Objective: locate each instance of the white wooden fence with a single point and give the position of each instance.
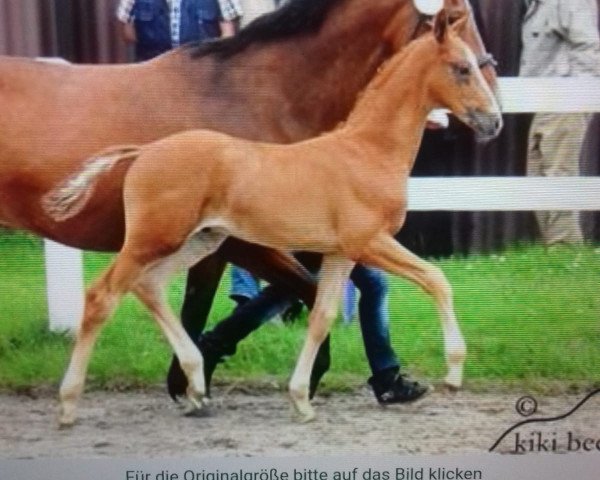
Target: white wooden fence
(64, 275)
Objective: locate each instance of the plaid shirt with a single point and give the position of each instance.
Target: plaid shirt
(230, 10)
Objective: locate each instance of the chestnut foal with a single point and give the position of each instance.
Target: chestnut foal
(342, 194)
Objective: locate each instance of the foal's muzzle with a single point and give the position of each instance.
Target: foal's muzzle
(487, 125)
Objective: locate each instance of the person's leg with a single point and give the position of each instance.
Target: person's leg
(567, 138)
(244, 285)
(348, 303)
(374, 318)
(225, 336)
(555, 142)
(265, 304)
(388, 384)
(534, 162)
(223, 339)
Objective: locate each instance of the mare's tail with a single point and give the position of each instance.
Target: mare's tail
(70, 197)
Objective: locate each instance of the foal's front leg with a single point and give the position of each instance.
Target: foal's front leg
(386, 253)
(151, 292)
(334, 272)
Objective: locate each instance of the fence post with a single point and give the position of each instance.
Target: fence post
(64, 286)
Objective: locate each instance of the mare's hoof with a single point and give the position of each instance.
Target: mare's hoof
(177, 382)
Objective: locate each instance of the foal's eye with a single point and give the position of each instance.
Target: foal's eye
(462, 69)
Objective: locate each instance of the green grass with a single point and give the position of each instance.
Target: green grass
(531, 318)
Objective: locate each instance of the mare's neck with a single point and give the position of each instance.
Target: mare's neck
(314, 78)
(391, 114)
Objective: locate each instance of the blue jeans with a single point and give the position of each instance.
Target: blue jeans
(374, 317)
(243, 283)
(372, 309)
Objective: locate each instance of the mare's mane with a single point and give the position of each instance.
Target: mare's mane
(297, 17)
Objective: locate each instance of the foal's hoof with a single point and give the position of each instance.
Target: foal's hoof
(66, 422)
(198, 408)
(306, 418)
(65, 426)
(204, 412)
(303, 413)
(66, 418)
(450, 388)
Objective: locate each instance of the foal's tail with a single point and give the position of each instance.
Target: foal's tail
(70, 197)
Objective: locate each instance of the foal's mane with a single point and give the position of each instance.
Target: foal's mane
(296, 17)
(387, 69)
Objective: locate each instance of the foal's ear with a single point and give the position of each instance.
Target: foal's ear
(459, 21)
(440, 26)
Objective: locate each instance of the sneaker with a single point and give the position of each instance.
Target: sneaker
(392, 387)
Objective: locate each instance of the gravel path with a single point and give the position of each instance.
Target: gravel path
(146, 424)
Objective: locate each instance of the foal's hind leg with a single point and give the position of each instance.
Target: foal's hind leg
(334, 272)
(385, 252)
(101, 299)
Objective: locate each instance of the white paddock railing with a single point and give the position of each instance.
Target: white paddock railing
(64, 285)
(64, 266)
(526, 95)
(504, 193)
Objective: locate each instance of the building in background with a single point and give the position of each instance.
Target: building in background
(82, 31)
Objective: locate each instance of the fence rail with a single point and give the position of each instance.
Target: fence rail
(504, 193)
(519, 95)
(550, 94)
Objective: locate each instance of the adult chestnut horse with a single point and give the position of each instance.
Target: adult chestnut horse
(342, 194)
(288, 76)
